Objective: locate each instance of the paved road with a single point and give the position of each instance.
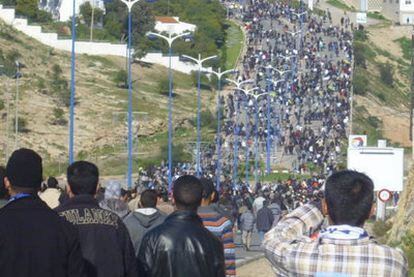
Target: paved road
(242, 256)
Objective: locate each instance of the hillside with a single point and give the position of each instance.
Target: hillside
(382, 84)
(101, 106)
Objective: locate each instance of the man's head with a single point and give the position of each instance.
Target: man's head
(52, 183)
(209, 192)
(187, 193)
(24, 172)
(148, 199)
(349, 197)
(83, 178)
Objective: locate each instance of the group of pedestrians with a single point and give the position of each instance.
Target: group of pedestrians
(323, 236)
(85, 237)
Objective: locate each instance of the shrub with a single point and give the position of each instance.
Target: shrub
(22, 128)
(360, 83)
(387, 74)
(164, 87)
(1, 104)
(59, 118)
(121, 79)
(374, 121)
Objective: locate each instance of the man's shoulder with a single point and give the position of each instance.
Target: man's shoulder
(84, 215)
(213, 219)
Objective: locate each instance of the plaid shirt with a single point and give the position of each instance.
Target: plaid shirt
(292, 252)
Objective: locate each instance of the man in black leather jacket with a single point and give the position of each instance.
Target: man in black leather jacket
(181, 246)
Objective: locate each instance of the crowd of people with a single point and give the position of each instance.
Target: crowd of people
(309, 226)
(94, 231)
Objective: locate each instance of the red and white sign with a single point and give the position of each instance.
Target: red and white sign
(384, 195)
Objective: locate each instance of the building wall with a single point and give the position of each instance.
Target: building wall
(85, 47)
(406, 15)
(174, 28)
(390, 9)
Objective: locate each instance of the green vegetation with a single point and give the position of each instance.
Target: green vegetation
(386, 74)
(376, 77)
(367, 125)
(121, 79)
(341, 5)
(376, 15)
(234, 44)
(406, 47)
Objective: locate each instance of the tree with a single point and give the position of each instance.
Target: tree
(85, 11)
(121, 78)
(387, 74)
(164, 86)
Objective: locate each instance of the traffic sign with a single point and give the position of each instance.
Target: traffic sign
(384, 195)
(361, 18)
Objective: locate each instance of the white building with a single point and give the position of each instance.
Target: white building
(400, 11)
(172, 25)
(62, 9)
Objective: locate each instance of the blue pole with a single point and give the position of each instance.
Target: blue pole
(236, 143)
(198, 120)
(129, 103)
(218, 134)
(247, 166)
(170, 94)
(72, 88)
(268, 143)
(256, 144)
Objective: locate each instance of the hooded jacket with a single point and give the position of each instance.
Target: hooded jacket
(140, 221)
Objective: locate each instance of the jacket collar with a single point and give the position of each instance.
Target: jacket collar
(189, 216)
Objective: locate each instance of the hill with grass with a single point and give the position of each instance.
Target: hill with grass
(101, 105)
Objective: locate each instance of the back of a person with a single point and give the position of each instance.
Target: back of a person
(333, 257)
(105, 242)
(222, 228)
(143, 218)
(34, 241)
(182, 246)
(186, 248)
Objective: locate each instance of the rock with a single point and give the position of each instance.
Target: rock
(403, 220)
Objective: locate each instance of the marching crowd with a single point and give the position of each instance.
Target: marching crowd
(106, 232)
(307, 227)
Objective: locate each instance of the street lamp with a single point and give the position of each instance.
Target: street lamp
(129, 4)
(199, 62)
(219, 75)
(256, 123)
(17, 77)
(236, 141)
(170, 40)
(72, 87)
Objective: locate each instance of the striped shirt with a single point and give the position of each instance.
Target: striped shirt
(293, 253)
(222, 228)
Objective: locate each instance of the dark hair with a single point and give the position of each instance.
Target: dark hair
(3, 190)
(83, 177)
(208, 187)
(349, 196)
(52, 182)
(187, 193)
(149, 198)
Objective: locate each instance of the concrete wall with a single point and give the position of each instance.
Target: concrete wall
(90, 48)
(159, 58)
(390, 9)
